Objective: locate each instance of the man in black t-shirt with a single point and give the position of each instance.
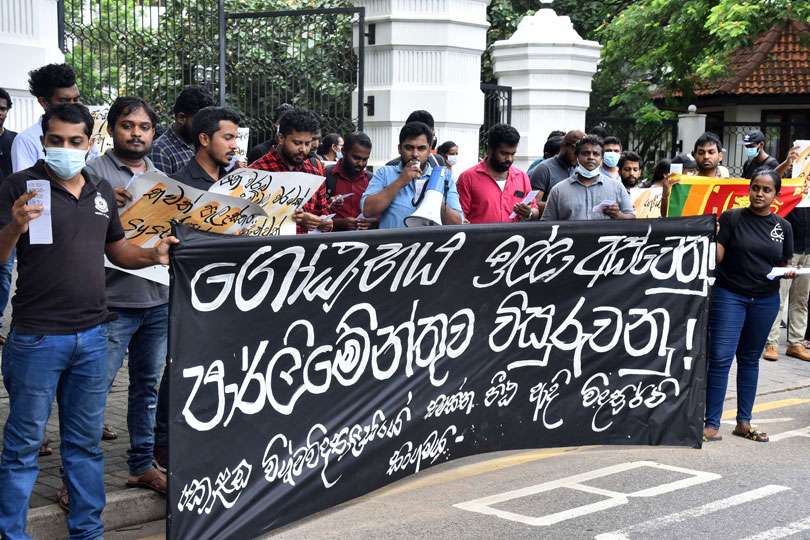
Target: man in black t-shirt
(758, 158)
(58, 338)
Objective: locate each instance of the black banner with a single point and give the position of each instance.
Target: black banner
(308, 370)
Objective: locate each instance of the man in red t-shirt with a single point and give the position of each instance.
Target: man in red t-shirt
(295, 131)
(347, 180)
(494, 191)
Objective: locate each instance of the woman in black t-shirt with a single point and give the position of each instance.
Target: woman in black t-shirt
(750, 242)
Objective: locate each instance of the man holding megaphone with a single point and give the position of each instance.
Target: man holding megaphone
(415, 191)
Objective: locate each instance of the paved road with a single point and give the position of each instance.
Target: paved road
(731, 489)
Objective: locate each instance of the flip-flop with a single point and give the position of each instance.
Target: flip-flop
(45, 450)
(752, 435)
(63, 499)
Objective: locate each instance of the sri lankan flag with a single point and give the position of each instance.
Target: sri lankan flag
(700, 195)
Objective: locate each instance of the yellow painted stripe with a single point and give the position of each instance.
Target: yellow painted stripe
(771, 405)
(474, 469)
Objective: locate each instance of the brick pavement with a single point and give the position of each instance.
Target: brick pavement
(115, 452)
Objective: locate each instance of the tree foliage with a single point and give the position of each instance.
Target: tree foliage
(154, 48)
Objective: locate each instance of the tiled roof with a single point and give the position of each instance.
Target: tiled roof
(777, 63)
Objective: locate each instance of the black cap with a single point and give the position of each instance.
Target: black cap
(753, 137)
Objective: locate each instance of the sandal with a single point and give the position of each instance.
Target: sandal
(63, 500)
(45, 450)
(752, 435)
(712, 438)
(152, 479)
(108, 434)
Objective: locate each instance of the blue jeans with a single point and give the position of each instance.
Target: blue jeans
(144, 332)
(737, 325)
(6, 269)
(35, 368)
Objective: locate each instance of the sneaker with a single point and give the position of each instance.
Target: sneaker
(771, 353)
(798, 351)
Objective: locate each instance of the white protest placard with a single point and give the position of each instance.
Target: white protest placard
(242, 138)
(779, 271)
(647, 201)
(280, 194)
(103, 139)
(40, 229)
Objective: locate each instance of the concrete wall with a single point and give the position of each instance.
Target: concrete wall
(28, 39)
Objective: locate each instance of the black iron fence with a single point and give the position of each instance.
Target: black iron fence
(153, 48)
(497, 110)
(303, 58)
(779, 137)
(652, 141)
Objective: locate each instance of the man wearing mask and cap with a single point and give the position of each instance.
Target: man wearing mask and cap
(756, 155)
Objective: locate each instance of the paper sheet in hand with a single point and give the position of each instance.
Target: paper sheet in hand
(779, 271)
(526, 200)
(242, 138)
(40, 230)
(279, 194)
(156, 273)
(602, 205)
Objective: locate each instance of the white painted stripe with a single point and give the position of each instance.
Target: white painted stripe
(698, 511)
(803, 432)
(781, 532)
(759, 421)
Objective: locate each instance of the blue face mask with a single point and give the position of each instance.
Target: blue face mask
(611, 159)
(751, 151)
(65, 162)
(338, 155)
(582, 171)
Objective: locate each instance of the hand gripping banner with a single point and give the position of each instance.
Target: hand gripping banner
(309, 370)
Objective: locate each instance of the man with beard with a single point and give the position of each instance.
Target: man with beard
(396, 191)
(588, 194)
(493, 191)
(347, 180)
(141, 306)
(295, 132)
(708, 153)
(630, 169)
(175, 147)
(215, 131)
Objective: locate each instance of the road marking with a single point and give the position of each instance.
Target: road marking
(801, 432)
(781, 532)
(485, 505)
(474, 469)
(698, 511)
(769, 406)
(763, 421)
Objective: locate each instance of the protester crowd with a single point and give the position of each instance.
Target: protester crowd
(74, 322)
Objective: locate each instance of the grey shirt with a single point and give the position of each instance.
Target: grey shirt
(571, 200)
(126, 290)
(549, 173)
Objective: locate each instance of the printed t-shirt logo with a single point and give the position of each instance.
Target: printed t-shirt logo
(777, 234)
(102, 208)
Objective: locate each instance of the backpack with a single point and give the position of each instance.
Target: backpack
(331, 180)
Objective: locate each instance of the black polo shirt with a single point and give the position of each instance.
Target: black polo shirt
(193, 175)
(60, 286)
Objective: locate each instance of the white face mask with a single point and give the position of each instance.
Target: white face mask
(452, 160)
(582, 171)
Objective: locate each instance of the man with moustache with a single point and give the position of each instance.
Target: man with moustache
(347, 180)
(588, 194)
(556, 169)
(214, 130)
(296, 130)
(396, 191)
(493, 191)
(708, 153)
(630, 169)
(141, 305)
